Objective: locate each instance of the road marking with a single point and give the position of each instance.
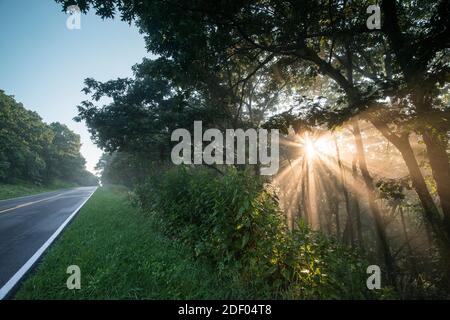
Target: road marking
(29, 203)
(24, 269)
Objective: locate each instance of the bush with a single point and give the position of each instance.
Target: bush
(236, 224)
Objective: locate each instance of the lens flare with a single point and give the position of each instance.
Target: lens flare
(324, 146)
(310, 147)
(314, 147)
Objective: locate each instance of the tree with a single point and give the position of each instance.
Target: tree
(63, 157)
(32, 151)
(120, 168)
(329, 37)
(23, 141)
(372, 75)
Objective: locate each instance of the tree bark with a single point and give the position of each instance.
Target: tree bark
(421, 92)
(440, 167)
(439, 229)
(431, 213)
(345, 192)
(404, 147)
(383, 245)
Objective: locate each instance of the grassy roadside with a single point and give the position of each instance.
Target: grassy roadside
(121, 256)
(8, 191)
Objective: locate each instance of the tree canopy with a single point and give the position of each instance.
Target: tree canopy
(311, 65)
(33, 151)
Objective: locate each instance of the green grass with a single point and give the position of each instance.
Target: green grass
(122, 256)
(8, 191)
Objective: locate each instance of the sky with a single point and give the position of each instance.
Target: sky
(43, 64)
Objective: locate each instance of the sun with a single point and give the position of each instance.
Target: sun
(314, 147)
(310, 147)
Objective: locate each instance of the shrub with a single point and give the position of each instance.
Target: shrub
(234, 222)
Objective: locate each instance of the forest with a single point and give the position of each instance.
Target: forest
(35, 153)
(363, 114)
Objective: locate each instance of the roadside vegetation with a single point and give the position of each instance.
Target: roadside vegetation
(122, 256)
(8, 191)
(35, 155)
(235, 224)
(224, 240)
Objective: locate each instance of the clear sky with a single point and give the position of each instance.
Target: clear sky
(43, 64)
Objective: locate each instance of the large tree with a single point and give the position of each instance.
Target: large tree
(393, 77)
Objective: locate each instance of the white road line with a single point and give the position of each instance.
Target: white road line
(24, 269)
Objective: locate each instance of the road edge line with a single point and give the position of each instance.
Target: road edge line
(14, 280)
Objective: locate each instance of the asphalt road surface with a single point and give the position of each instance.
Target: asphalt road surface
(29, 224)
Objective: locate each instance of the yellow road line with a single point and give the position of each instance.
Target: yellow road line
(29, 204)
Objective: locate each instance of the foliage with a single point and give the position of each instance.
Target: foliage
(9, 191)
(23, 142)
(122, 168)
(164, 96)
(234, 222)
(122, 256)
(32, 151)
(319, 59)
(113, 240)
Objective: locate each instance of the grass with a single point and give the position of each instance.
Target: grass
(8, 191)
(122, 256)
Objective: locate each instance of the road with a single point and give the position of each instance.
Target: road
(29, 224)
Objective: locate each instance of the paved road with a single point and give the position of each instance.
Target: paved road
(28, 223)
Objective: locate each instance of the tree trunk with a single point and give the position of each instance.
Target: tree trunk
(357, 215)
(411, 258)
(436, 141)
(440, 167)
(345, 192)
(303, 191)
(431, 212)
(422, 93)
(405, 234)
(383, 245)
(355, 207)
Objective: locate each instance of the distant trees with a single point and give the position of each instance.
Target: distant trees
(122, 168)
(24, 140)
(32, 151)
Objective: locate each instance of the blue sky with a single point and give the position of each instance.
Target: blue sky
(43, 64)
